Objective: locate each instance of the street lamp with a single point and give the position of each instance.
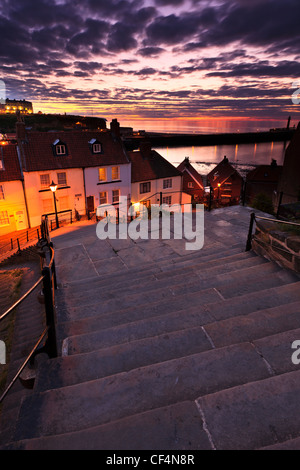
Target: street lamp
(53, 188)
(219, 185)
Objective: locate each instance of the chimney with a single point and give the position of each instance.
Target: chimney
(145, 148)
(20, 127)
(115, 128)
(186, 161)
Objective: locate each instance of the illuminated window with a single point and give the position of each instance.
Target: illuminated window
(62, 179)
(63, 203)
(1, 192)
(145, 187)
(47, 206)
(102, 174)
(103, 197)
(167, 183)
(167, 200)
(4, 219)
(97, 148)
(60, 150)
(45, 181)
(115, 195)
(115, 173)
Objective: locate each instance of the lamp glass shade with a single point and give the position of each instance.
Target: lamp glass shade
(53, 187)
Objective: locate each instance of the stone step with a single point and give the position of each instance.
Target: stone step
(229, 285)
(89, 404)
(149, 269)
(207, 305)
(255, 325)
(175, 427)
(85, 359)
(253, 415)
(291, 444)
(162, 280)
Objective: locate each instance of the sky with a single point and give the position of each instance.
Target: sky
(153, 59)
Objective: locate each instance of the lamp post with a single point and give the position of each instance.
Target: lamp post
(53, 188)
(219, 185)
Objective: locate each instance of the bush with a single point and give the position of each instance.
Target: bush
(263, 203)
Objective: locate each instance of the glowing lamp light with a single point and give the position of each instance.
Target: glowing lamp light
(53, 187)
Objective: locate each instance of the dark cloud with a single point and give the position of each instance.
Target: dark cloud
(150, 51)
(121, 38)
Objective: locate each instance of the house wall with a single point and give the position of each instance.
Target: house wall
(14, 204)
(41, 201)
(156, 188)
(94, 187)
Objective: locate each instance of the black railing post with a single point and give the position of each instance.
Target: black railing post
(279, 204)
(210, 198)
(249, 240)
(50, 315)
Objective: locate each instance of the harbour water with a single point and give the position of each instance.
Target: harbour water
(244, 157)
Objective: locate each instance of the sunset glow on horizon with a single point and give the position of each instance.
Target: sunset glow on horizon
(193, 60)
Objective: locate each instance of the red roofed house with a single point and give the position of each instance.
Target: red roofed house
(226, 182)
(192, 182)
(13, 211)
(263, 179)
(89, 167)
(289, 184)
(154, 179)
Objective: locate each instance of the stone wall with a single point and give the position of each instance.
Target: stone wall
(273, 243)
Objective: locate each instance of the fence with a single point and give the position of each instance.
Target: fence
(49, 285)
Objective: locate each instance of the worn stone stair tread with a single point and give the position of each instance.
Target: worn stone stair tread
(100, 401)
(139, 328)
(174, 427)
(241, 278)
(291, 444)
(165, 280)
(254, 415)
(89, 361)
(255, 325)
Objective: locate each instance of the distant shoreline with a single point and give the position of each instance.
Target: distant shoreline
(182, 140)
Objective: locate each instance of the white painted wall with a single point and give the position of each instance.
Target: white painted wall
(72, 197)
(14, 204)
(157, 187)
(93, 188)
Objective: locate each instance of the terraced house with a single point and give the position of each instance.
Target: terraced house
(88, 167)
(13, 209)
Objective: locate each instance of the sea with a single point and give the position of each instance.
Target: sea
(244, 157)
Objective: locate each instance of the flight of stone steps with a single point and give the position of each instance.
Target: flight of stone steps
(192, 352)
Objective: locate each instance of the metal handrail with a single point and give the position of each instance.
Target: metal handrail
(22, 298)
(253, 217)
(48, 275)
(20, 370)
(279, 221)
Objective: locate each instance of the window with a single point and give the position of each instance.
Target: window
(1, 192)
(45, 181)
(167, 183)
(115, 173)
(4, 219)
(115, 195)
(190, 185)
(63, 203)
(47, 206)
(62, 179)
(102, 174)
(60, 149)
(145, 187)
(97, 148)
(167, 200)
(103, 197)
